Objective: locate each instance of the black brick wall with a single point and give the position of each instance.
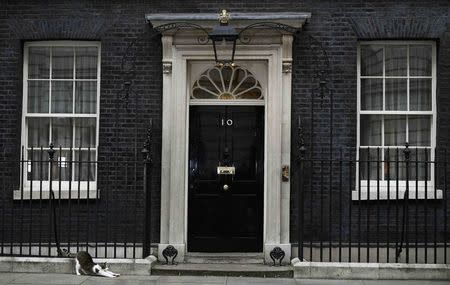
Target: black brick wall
(336, 25)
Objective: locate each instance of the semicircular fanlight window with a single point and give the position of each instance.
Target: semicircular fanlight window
(227, 83)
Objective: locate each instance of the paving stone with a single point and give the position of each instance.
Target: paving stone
(6, 278)
(328, 282)
(49, 279)
(122, 280)
(192, 280)
(197, 282)
(406, 282)
(259, 281)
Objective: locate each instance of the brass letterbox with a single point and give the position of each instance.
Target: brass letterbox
(226, 170)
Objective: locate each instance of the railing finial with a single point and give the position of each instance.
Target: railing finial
(407, 151)
(51, 152)
(146, 154)
(301, 140)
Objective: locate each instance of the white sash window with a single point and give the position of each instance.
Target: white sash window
(61, 106)
(396, 104)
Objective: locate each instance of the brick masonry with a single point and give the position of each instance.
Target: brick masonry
(336, 25)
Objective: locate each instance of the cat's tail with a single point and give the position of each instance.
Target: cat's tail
(66, 253)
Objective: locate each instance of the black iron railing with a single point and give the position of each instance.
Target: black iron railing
(387, 205)
(55, 199)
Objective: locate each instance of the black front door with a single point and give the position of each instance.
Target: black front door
(225, 210)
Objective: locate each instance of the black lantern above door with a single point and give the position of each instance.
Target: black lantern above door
(224, 38)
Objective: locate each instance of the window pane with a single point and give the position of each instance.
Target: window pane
(61, 169)
(37, 167)
(420, 60)
(62, 62)
(85, 134)
(419, 130)
(396, 63)
(198, 93)
(371, 94)
(86, 60)
(420, 94)
(86, 97)
(371, 60)
(37, 96)
(394, 130)
(368, 160)
(62, 132)
(396, 94)
(419, 165)
(370, 130)
(62, 93)
(394, 165)
(39, 62)
(84, 165)
(38, 132)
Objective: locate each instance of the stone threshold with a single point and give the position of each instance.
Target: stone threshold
(224, 258)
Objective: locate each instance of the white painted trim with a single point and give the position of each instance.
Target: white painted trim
(365, 112)
(92, 185)
(166, 151)
(58, 43)
(382, 187)
(286, 87)
(73, 194)
(385, 193)
(215, 102)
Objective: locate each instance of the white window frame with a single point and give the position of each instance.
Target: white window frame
(78, 190)
(382, 190)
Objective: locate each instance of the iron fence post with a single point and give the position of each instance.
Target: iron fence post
(404, 232)
(300, 198)
(51, 160)
(147, 157)
(407, 153)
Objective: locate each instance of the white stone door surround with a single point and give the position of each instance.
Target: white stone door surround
(179, 48)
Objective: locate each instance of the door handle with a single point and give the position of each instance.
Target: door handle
(226, 187)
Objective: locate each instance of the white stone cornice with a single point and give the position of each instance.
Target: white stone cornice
(239, 20)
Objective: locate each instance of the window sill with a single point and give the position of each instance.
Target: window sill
(382, 194)
(75, 194)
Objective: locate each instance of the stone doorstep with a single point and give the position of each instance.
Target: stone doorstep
(229, 269)
(381, 271)
(224, 258)
(67, 265)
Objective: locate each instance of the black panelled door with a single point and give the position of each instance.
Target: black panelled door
(225, 211)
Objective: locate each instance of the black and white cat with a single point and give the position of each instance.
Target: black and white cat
(85, 265)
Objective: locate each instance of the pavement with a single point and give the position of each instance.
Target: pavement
(71, 279)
